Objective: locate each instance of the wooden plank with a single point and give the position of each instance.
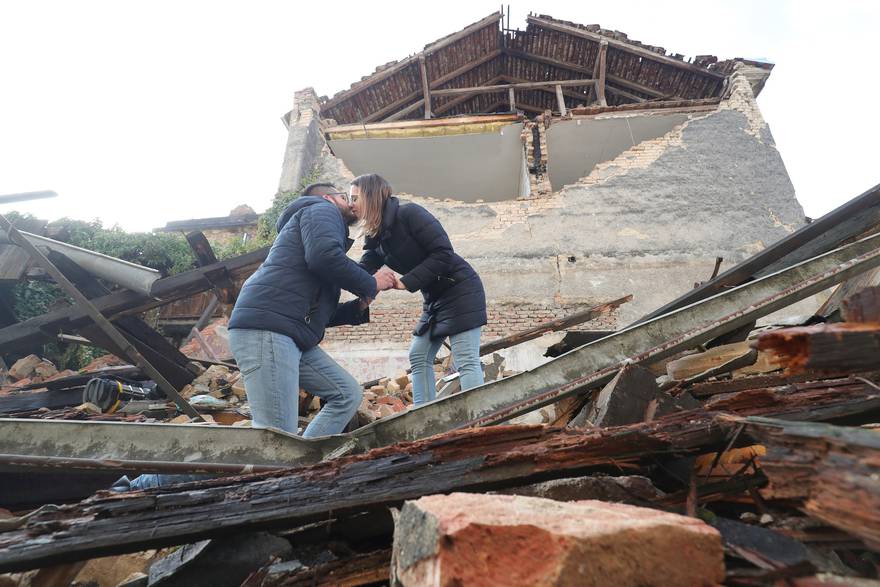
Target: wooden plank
(691, 365)
(473, 459)
(560, 100)
(385, 74)
(402, 113)
(224, 289)
(44, 328)
(518, 86)
(599, 73)
(841, 292)
(164, 356)
(863, 305)
(623, 46)
(552, 326)
(98, 318)
(591, 72)
(675, 106)
(464, 460)
(846, 347)
(832, 472)
(462, 99)
(383, 113)
(511, 98)
(426, 88)
(551, 90)
(458, 120)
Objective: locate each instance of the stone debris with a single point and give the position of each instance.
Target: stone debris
(473, 539)
(24, 368)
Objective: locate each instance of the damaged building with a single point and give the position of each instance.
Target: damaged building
(568, 163)
(627, 201)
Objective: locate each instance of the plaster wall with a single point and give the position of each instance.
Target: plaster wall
(469, 167)
(576, 146)
(648, 222)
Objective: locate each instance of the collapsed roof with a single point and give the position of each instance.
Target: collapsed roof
(486, 53)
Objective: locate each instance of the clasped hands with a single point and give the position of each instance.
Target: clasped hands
(385, 279)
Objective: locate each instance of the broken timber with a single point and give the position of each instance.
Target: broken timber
(106, 328)
(45, 328)
(835, 348)
(594, 364)
(832, 471)
(144, 447)
(464, 460)
(552, 326)
(582, 369)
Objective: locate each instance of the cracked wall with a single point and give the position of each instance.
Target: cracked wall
(649, 222)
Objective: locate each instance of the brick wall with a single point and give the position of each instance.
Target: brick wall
(392, 326)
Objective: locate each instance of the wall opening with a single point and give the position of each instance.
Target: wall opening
(486, 166)
(576, 146)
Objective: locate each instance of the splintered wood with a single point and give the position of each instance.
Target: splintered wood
(832, 471)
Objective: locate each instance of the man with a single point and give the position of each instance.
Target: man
(284, 307)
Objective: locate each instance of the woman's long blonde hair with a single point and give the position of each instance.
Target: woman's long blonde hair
(375, 191)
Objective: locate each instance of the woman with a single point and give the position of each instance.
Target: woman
(410, 241)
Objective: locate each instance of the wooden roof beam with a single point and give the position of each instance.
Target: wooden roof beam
(622, 46)
(445, 42)
(426, 89)
(619, 81)
(599, 73)
(516, 86)
(433, 85)
(585, 98)
(453, 103)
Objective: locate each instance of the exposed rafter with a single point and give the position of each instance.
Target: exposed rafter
(549, 50)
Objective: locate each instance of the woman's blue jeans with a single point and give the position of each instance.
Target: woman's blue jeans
(274, 369)
(465, 354)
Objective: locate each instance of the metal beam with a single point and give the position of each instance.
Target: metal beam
(183, 443)
(593, 364)
(99, 319)
(26, 196)
(820, 236)
(582, 369)
(129, 275)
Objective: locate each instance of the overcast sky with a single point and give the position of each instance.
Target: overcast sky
(141, 113)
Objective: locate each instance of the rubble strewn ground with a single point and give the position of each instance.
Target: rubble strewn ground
(690, 447)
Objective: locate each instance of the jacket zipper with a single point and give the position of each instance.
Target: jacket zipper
(314, 307)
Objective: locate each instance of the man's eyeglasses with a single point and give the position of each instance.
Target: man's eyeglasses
(345, 195)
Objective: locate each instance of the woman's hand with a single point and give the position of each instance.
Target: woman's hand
(385, 279)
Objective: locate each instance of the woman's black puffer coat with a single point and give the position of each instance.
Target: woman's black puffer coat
(413, 243)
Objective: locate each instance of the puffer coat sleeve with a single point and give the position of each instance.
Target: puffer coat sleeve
(429, 234)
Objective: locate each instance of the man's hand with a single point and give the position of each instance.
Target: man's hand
(398, 284)
(364, 302)
(385, 279)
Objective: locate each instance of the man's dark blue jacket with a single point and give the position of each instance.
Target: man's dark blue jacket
(296, 290)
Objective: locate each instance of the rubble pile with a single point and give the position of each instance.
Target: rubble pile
(691, 448)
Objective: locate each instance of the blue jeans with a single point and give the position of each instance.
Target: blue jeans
(274, 369)
(465, 354)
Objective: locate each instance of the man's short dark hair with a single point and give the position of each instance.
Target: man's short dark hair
(311, 187)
